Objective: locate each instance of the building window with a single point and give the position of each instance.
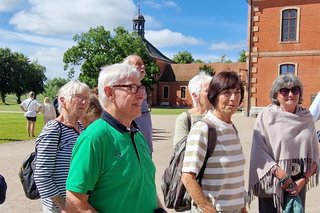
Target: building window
(165, 93)
(183, 90)
(287, 69)
(289, 25)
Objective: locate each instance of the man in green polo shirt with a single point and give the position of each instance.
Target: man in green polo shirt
(111, 168)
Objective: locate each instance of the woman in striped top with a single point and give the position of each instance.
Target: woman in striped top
(222, 185)
(54, 145)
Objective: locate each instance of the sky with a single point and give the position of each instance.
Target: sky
(43, 29)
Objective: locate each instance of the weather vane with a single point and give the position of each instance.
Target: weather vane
(139, 7)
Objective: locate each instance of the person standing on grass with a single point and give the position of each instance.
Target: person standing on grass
(48, 110)
(31, 107)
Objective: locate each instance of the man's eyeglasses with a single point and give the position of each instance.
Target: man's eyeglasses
(133, 87)
(294, 90)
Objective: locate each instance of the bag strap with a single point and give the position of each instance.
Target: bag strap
(60, 133)
(29, 104)
(188, 120)
(212, 140)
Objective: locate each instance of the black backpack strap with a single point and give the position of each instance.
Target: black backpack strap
(188, 120)
(212, 140)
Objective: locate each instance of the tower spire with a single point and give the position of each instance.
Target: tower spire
(138, 22)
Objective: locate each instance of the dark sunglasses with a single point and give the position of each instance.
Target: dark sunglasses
(294, 90)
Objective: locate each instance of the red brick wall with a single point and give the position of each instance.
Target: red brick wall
(271, 52)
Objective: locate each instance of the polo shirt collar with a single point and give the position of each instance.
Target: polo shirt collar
(117, 125)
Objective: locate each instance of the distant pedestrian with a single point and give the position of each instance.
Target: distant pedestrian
(31, 107)
(94, 111)
(144, 120)
(56, 105)
(48, 110)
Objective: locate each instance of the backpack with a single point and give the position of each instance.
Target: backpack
(174, 192)
(27, 171)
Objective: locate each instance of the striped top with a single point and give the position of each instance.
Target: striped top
(223, 179)
(53, 159)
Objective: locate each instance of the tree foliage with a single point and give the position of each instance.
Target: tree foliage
(207, 69)
(243, 57)
(183, 57)
(97, 48)
(52, 87)
(18, 75)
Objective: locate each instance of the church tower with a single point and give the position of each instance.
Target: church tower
(138, 23)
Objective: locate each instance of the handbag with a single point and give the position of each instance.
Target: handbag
(26, 173)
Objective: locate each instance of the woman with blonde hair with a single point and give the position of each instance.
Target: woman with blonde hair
(48, 110)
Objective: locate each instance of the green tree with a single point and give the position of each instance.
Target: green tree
(97, 48)
(6, 61)
(243, 57)
(207, 69)
(198, 61)
(183, 57)
(223, 59)
(18, 75)
(52, 87)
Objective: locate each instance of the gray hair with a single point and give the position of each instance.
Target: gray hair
(285, 81)
(112, 75)
(71, 88)
(196, 83)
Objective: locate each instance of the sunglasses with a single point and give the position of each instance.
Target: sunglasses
(294, 90)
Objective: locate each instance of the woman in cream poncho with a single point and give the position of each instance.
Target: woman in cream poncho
(284, 152)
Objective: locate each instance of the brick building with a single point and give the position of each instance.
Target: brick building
(283, 38)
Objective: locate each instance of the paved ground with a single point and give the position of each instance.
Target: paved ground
(12, 155)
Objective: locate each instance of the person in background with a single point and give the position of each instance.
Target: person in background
(31, 107)
(222, 186)
(284, 152)
(55, 143)
(94, 112)
(48, 110)
(198, 89)
(111, 168)
(315, 108)
(56, 105)
(144, 120)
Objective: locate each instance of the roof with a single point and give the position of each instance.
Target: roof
(184, 72)
(155, 53)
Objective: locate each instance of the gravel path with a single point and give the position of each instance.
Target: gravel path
(12, 154)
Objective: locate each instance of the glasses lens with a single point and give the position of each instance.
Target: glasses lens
(284, 91)
(134, 88)
(295, 90)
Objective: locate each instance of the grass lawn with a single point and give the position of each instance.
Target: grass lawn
(13, 127)
(13, 124)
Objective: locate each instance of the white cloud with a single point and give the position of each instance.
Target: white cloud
(8, 5)
(34, 39)
(67, 17)
(51, 58)
(166, 38)
(228, 46)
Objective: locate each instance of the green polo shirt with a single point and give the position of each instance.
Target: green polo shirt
(113, 165)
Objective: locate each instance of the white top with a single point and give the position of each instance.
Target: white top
(31, 106)
(315, 108)
(48, 110)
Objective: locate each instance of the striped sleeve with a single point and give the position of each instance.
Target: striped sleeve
(196, 148)
(47, 145)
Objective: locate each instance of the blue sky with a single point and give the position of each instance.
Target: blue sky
(43, 29)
